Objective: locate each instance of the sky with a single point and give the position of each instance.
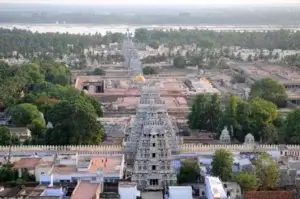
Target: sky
(155, 2)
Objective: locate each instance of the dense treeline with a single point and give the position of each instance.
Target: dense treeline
(237, 16)
(27, 42)
(281, 39)
(257, 115)
(45, 87)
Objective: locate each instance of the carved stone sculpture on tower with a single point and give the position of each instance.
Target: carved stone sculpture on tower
(225, 137)
(151, 143)
(249, 139)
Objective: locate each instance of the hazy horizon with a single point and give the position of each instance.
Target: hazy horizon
(154, 2)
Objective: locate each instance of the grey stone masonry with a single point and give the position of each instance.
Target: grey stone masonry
(151, 143)
(132, 59)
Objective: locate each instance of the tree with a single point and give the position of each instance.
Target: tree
(189, 171)
(214, 112)
(249, 59)
(142, 35)
(95, 103)
(261, 54)
(74, 122)
(222, 164)
(291, 128)
(98, 71)
(270, 90)
(267, 171)
(56, 73)
(154, 44)
(239, 78)
(179, 62)
(7, 173)
(37, 127)
(247, 180)
(6, 138)
(205, 112)
(263, 114)
(255, 57)
(239, 57)
(31, 72)
(149, 71)
(23, 114)
(229, 117)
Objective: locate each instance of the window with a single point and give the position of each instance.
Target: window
(99, 89)
(153, 144)
(153, 167)
(153, 181)
(153, 155)
(85, 87)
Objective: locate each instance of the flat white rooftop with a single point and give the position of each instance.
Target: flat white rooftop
(180, 192)
(216, 187)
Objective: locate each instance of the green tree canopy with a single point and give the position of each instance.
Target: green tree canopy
(205, 112)
(154, 44)
(35, 88)
(142, 35)
(222, 164)
(189, 171)
(48, 93)
(98, 71)
(267, 171)
(256, 116)
(291, 128)
(229, 117)
(179, 62)
(56, 73)
(6, 138)
(16, 80)
(247, 180)
(74, 122)
(149, 70)
(7, 173)
(263, 114)
(270, 90)
(23, 114)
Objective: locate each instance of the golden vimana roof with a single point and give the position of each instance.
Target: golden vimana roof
(140, 78)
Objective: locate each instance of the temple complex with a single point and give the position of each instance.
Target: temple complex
(151, 143)
(151, 113)
(143, 120)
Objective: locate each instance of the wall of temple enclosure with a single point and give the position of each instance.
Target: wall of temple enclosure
(185, 148)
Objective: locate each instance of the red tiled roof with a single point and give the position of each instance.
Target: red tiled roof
(27, 163)
(268, 195)
(86, 190)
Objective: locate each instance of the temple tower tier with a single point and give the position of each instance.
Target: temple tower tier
(151, 143)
